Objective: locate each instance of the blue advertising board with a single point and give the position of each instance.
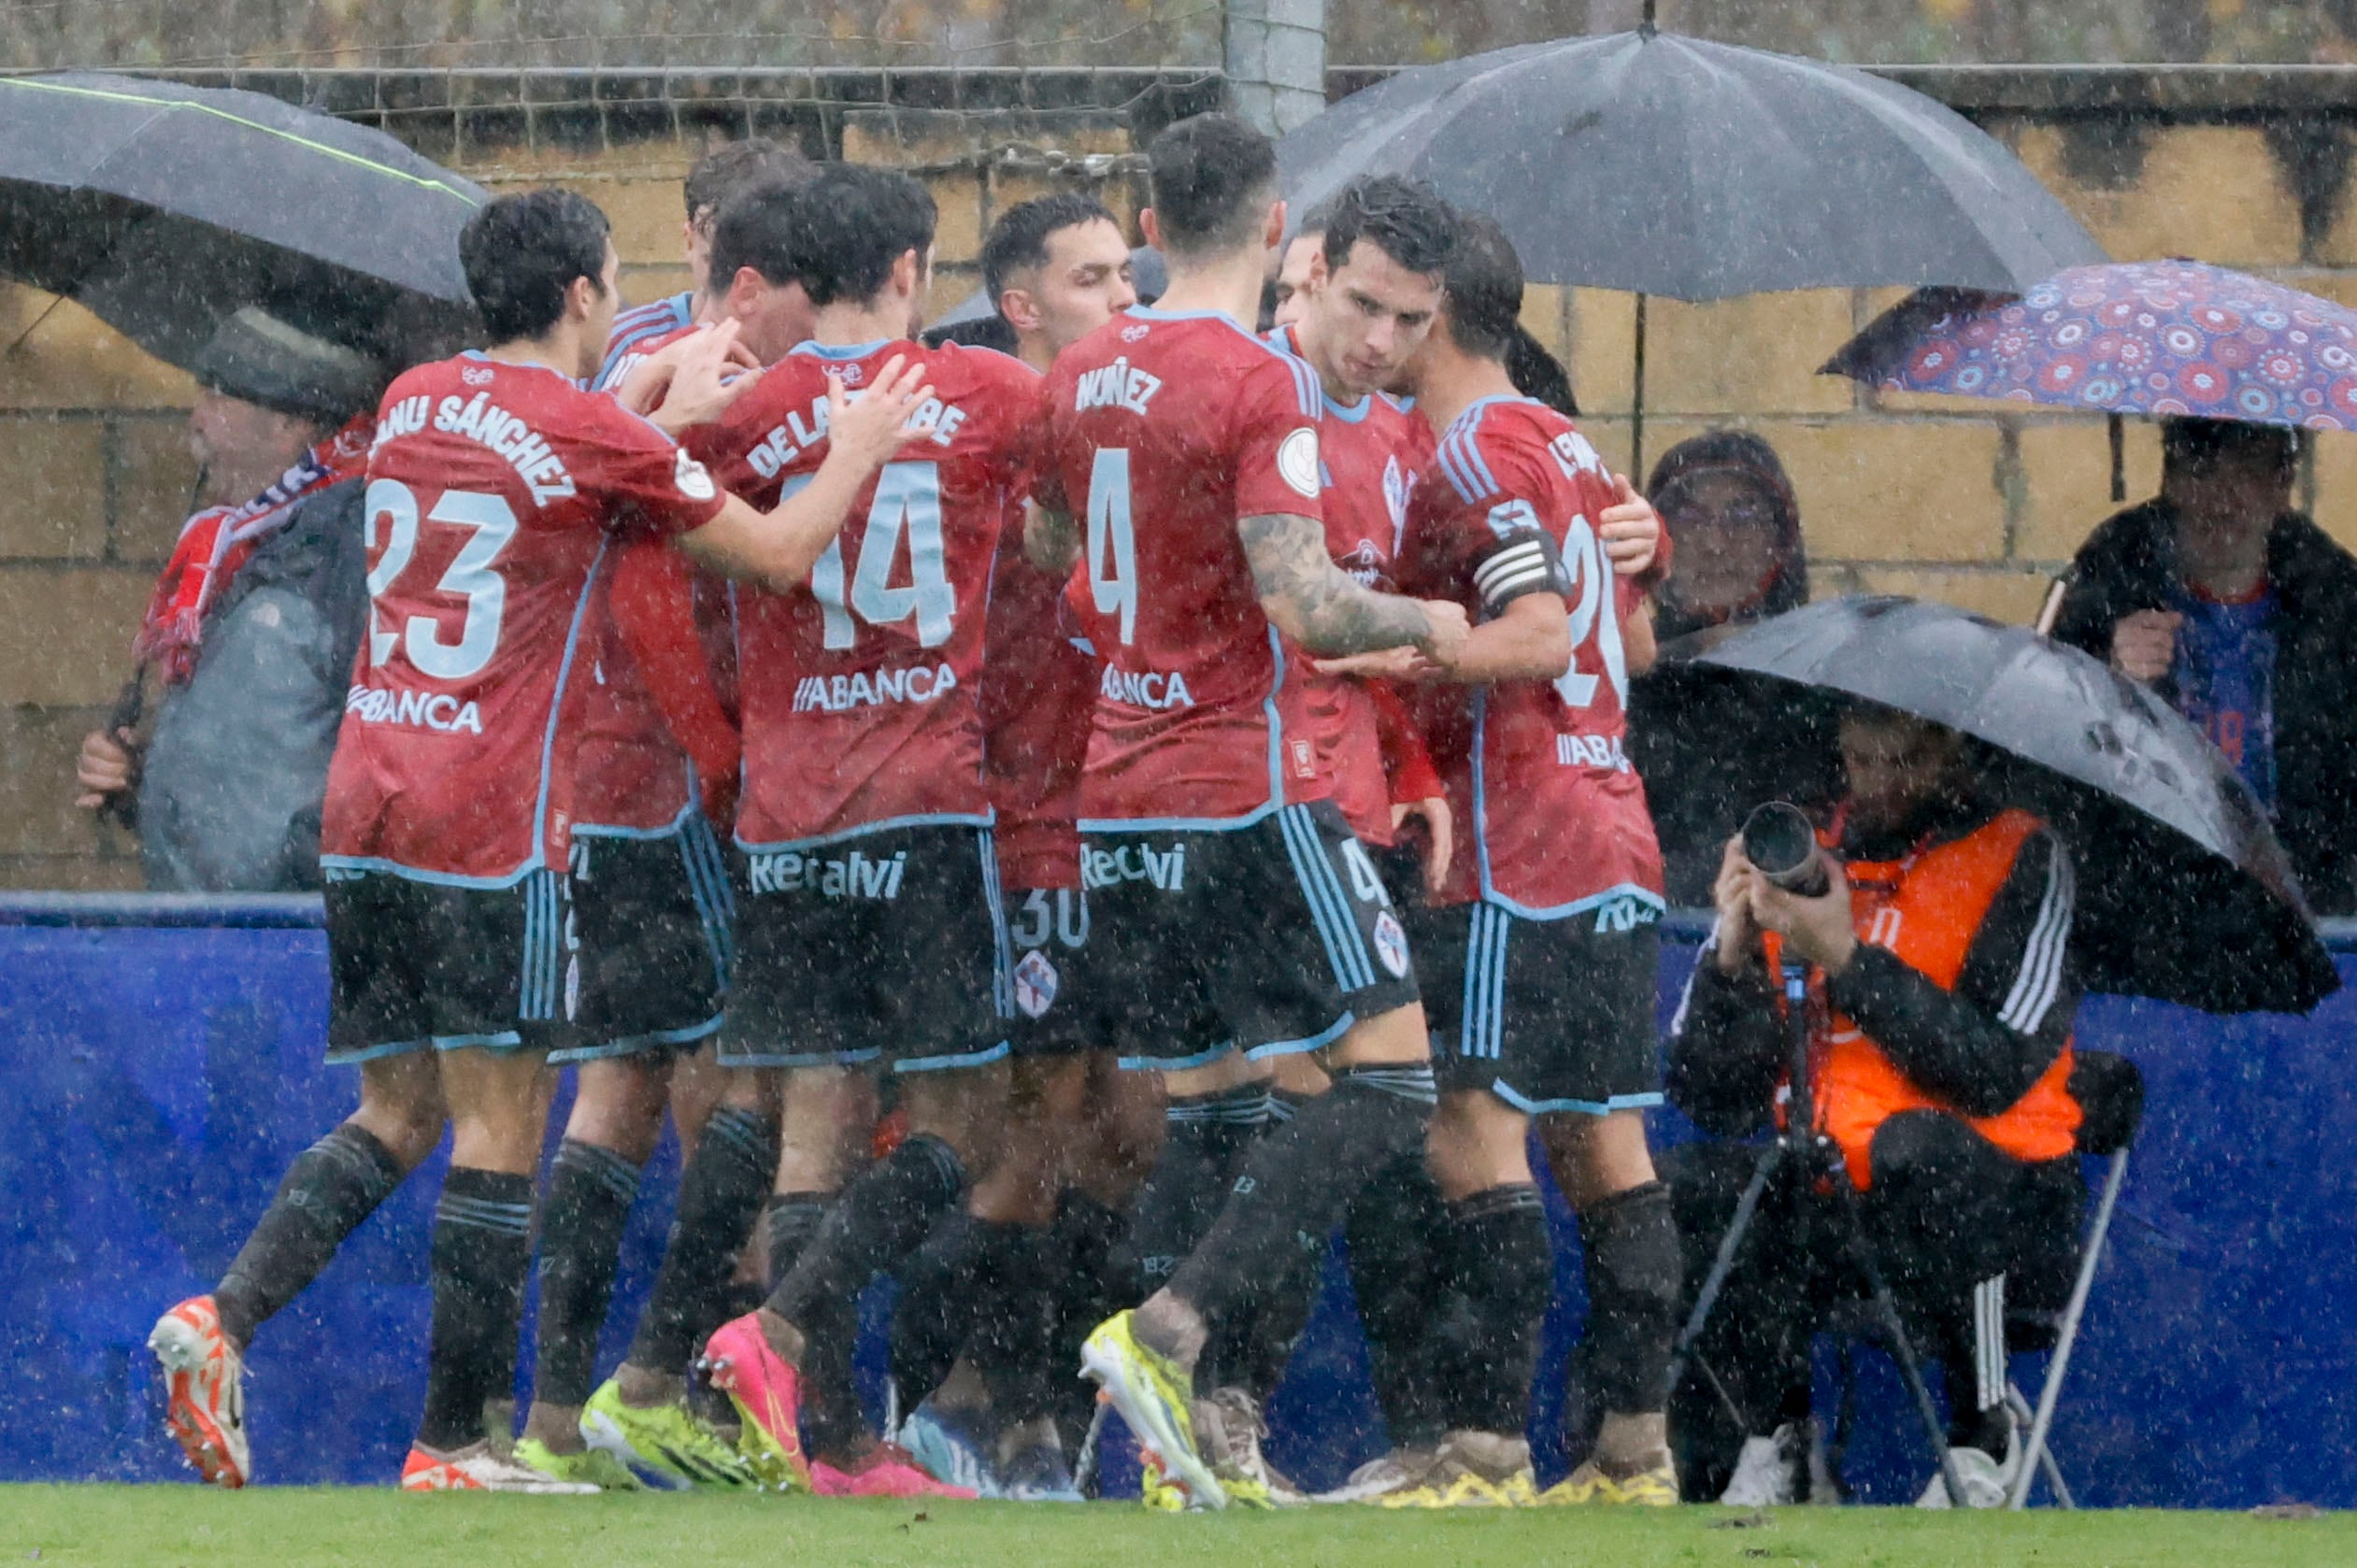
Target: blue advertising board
(160, 1065)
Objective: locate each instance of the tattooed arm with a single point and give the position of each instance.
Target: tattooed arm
(1313, 602)
(1051, 540)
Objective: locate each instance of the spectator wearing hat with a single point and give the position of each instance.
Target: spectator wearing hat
(255, 622)
(2235, 608)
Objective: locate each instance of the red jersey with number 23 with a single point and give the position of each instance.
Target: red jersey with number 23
(859, 693)
(1163, 429)
(493, 490)
(1539, 769)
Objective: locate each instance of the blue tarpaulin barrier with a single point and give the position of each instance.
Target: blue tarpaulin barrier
(159, 1065)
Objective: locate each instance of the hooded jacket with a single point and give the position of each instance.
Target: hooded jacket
(1667, 738)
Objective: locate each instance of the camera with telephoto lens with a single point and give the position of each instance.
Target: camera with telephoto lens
(1778, 838)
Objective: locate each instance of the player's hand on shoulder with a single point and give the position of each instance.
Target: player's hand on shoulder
(867, 429)
(692, 381)
(1630, 529)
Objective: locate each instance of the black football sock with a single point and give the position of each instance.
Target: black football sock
(883, 1215)
(330, 1189)
(1398, 1240)
(1294, 1188)
(1208, 1134)
(482, 1250)
(789, 1221)
(1505, 1275)
(937, 1307)
(590, 1193)
(1014, 1321)
(1096, 1278)
(719, 1196)
(1634, 1274)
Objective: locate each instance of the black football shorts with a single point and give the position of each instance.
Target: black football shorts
(416, 965)
(652, 915)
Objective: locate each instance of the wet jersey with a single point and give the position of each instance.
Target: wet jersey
(1372, 453)
(1038, 690)
(858, 692)
(629, 774)
(638, 332)
(1539, 770)
(495, 490)
(1162, 429)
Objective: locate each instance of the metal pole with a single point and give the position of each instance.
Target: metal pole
(1636, 404)
(2049, 1394)
(1276, 56)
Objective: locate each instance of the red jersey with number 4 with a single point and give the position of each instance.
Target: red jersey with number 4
(1372, 454)
(859, 691)
(1163, 429)
(493, 492)
(1538, 769)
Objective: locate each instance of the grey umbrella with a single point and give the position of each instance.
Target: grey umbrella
(2185, 893)
(164, 208)
(1662, 164)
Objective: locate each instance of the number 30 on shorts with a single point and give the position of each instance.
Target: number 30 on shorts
(1063, 914)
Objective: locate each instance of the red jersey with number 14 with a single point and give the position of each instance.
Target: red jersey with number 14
(1539, 769)
(494, 490)
(1163, 429)
(859, 691)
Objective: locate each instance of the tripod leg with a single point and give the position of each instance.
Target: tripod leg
(1887, 1308)
(1723, 1263)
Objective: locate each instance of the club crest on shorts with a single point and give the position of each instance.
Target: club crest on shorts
(1036, 983)
(1390, 945)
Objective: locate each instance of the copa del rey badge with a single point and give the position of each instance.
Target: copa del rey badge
(1035, 981)
(1391, 944)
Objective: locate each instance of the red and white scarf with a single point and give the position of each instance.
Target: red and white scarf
(217, 542)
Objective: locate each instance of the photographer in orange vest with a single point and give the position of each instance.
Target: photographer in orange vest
(1941, 984)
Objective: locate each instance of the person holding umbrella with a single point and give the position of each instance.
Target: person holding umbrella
(2233, 606)
(254, 622)
(1943, 979)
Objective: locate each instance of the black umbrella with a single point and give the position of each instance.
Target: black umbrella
(164, 208)
(1669, 165)
(2185, 896)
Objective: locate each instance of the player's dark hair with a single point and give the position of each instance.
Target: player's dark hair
(1404, 218)
(1312, 224)
(739, 165)
(755, 229)
(1019, 237)
(1484, 282)
(1537, 373)
(521, 252)
(2198, 448)
(848, 225)
(1212, 177)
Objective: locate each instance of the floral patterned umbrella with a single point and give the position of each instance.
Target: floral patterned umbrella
(2132, 337)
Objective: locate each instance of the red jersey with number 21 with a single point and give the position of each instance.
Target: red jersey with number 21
(1163, 429)
(1538, 768)
(494, 490)
(859, 693)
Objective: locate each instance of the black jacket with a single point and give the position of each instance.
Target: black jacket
(2130, 564)
(1729, 1044)
(236, 769)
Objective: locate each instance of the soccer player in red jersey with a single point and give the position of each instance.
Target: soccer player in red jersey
(496, 485)
(1230, 906)
(871, 933)
(653, 911)
(719, 174)
(1540, 945)
(1023, 1272)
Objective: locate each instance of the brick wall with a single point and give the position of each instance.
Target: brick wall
(1939, 497)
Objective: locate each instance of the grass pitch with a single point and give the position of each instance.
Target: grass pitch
(186, 1527)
